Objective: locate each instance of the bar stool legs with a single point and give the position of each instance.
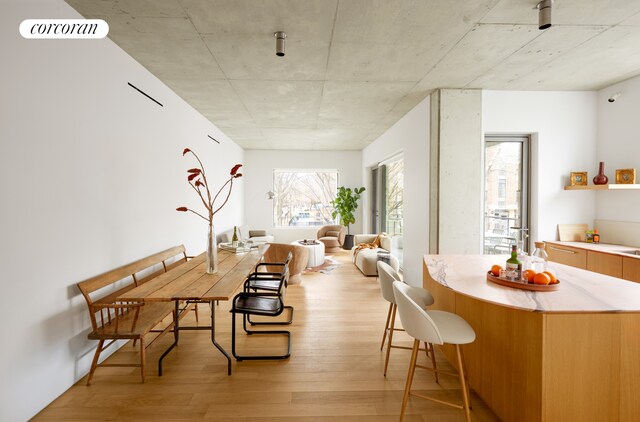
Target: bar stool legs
(433, 359)
(386, 326)
(412, 370)
(464, 385)
(391, 329)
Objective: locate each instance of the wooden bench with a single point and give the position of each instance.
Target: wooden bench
(125, 321)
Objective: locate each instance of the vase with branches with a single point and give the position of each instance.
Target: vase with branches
(197, 179)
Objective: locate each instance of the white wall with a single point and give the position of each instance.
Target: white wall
(563, 125)
(410, 135)
(90, 175)
(259, 180)
(619, 148)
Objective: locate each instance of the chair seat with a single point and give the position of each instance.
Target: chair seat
(453, 329)
(264, 284)
(330, 241)
(258, 305)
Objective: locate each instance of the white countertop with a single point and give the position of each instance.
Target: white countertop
(579, 290)
(599, 247)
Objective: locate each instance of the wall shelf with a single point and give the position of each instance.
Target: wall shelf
(603, 187)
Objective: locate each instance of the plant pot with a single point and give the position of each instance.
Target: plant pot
(348, 242)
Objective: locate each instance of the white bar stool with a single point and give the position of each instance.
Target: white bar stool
(435, 327)
(387, 276)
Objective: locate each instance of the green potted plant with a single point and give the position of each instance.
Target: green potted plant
(345, 205)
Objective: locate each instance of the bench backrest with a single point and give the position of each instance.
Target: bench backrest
(101, 281)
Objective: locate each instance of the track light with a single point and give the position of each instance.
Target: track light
(544, 14)
(280, 36)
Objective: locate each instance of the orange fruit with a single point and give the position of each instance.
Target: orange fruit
(541, 278)
(551, 277)
(495, 270)
(529, 275)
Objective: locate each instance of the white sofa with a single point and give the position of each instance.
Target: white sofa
(245, 234)
(366, 259)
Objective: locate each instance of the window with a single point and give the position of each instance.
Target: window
(302, 197)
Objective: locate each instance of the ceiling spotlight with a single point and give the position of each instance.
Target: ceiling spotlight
(544, 14)
(280, 36)
(614, 97)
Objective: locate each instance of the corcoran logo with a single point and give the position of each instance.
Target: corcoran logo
(64, 28)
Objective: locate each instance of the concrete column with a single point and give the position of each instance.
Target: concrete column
(456, 182)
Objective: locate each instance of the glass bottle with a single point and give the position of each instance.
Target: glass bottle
(513, 269)
(524, 259)
(539, 258)
(521, 237)
(234, 240)
(596, 236)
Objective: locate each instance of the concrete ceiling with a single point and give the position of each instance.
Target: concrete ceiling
(354, 67)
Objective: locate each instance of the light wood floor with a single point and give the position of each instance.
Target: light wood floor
(334, 373)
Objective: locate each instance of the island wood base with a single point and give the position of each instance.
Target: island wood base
(538, 366)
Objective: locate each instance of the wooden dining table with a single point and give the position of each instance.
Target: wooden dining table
(189, 283)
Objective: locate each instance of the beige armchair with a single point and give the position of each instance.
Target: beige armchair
(278, 252)
(332, 237)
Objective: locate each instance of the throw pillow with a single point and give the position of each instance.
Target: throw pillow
(331, 233)
(257, 233)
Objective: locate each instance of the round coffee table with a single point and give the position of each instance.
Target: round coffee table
(316, 252)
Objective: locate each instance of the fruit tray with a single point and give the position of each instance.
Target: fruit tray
(523, 286)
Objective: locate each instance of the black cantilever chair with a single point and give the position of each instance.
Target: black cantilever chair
(269, 281)
(268, 304)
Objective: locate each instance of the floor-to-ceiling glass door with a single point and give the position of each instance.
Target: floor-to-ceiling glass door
(387, 213)
(375, 194)
(394, 197)
(506, 192)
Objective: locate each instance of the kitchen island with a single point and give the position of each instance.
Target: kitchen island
(571, 354)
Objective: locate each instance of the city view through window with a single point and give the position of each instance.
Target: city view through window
(504, 202)
(303, 197)
(394, 197)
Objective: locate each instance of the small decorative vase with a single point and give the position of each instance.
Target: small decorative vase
(212, 251)
(600, 178)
